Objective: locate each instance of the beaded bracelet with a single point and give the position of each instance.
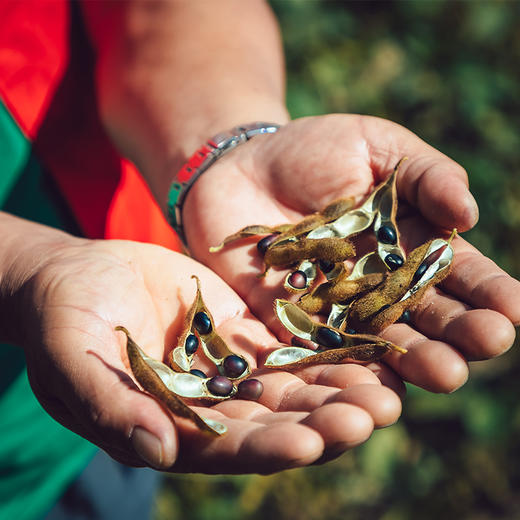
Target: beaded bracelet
(201, 160)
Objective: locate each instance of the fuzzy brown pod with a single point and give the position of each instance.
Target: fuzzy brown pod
(288, 253)
(344, 287)
(379, 210)
(385, 223)
(250, 231)
(199, 323)
(298, 323)
(298, 357)
(427, 265)
(291, 232)
(155, 378)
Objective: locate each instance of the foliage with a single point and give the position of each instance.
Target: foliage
(445, 70)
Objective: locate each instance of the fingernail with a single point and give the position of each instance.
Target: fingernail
(147, 446)
(471, 212)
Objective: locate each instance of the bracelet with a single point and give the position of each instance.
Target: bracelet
(201, 160)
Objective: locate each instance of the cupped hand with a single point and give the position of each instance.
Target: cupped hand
(308, 163)
(79, 370)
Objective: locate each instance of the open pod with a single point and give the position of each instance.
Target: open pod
(427, 265)
(291, 232)
(298, 323)
(368, 272)
(298, 357)
(200, 325)
(379, 209)
(285, 254)
(156, 379)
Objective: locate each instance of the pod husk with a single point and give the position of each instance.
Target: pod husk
(367, 273)
(364, 314)
(214, 347)
(291, 231)
(152, 383)
(365, 353)
(249, 231)
(321, 299)
(287, 254)
(298, 323)
(386, 215)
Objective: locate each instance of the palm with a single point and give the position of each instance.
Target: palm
(79, 370)
(310, 162)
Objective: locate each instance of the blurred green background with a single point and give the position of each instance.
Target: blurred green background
(449, 71)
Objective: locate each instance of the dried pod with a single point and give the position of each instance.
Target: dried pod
(385, 224)
(302, 326)
(354, 221)
(366, 274)
(330, 249)
(302, 278)
(296, 357)
(426, 266)
(380, 209)
(249, 231)
(155, 377)
(290, 232)
(200, 322)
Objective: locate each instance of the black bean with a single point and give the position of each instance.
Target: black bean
(220, 385)
(191, 345)
(298, 280)
(263, 245)
(250, 389)
(329, 338)
(387, 235)
(198, 373)
(393, 261)
(405, 317)
(202, 323)
(326, 266)
(420, 271)
(234, 366)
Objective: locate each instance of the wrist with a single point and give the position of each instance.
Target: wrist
(195, 131)
(214, 149)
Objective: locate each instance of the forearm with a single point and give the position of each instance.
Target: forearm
(25, 247)
(171, 74)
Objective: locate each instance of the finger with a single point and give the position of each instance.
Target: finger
(477, 333)
(429, 180)
(62, 414)
(309, 388)
(341, 425)
(104, 399)
(382, 404)
(249, 447)
(388, 378)
(479, 282)
(429, 364)
(340, 376)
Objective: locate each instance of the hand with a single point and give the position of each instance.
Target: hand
(78, 367)
(310, 162)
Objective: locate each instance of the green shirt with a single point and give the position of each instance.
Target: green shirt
(38, 457)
